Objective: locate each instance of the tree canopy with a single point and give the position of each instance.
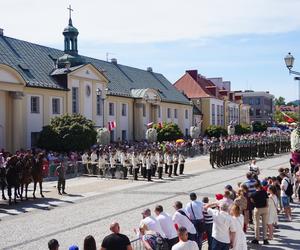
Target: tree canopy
(279, 101)
(68, 132)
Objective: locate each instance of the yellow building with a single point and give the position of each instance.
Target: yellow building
(38, 83)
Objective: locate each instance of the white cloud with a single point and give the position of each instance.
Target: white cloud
(138, 21)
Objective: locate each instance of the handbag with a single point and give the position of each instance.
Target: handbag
(198, 224)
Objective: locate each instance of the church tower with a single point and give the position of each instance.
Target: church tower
(71, 57)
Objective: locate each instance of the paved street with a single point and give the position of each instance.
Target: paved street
(93, 203)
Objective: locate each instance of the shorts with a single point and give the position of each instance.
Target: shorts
(285, 201)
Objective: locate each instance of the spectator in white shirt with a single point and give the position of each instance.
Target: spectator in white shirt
(181, 219)
(151, 223)
(184, 243)
(167, 225)
(223, 232)
(195, 210)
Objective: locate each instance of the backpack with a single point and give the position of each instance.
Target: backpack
(161, 243)
(289, 189)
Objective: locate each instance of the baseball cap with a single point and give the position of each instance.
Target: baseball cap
(73, 247)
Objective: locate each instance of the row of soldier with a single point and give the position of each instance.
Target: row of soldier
(233, 150)
(146, 163)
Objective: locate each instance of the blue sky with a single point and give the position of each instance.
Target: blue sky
(243, 41)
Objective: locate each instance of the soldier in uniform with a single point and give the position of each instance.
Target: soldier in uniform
(61, 183)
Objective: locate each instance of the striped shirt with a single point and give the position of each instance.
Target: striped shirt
(251, 186)
(208, 219)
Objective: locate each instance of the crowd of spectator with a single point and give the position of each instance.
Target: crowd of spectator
(223, 222)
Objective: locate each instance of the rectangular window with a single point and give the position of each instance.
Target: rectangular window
(168, 113)
(99, 105)
(186, 114)
(158, 111)
(75, 100)
(222, 115)
(218, 115)
(144, 110)
(257, 101)
(213, 114)
(111, 110)
(124, 135)
(35, 104)
(257, 112)
(175, 113)
(186, 132)
(34, 138)
(55, 106)
(124, 110)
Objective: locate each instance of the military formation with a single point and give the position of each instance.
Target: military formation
(237, 149)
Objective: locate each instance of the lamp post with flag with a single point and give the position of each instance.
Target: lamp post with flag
(295, 135)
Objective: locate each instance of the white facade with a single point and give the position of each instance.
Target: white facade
(216, 112)
(2, 119)
(35, 120)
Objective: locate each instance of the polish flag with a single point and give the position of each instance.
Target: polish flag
(287, 118)
(111, 125)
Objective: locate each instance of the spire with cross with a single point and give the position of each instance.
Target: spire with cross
(70, 14)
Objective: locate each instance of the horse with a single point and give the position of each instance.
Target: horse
(12, 176)
(26, 177)
(37, 174)
(3, 183)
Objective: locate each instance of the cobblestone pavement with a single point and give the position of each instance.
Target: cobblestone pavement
(93, 203)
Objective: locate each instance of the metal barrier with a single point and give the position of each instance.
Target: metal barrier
(137, 244)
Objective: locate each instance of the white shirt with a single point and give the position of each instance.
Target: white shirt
(284, 184)
(183, 221)
(94, 157)
(197, 208)
(153, 225)
(222, 226)
(167, 225)
(188, 245)
(254, 168)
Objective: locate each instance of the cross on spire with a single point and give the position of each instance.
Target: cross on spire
(70, 11)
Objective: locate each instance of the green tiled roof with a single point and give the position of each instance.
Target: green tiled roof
(36, 64)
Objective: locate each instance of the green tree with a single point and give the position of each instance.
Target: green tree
(259, 127)
(168, 132)
(279, 101)
(242, 129)
(68, 132)
(215, 131)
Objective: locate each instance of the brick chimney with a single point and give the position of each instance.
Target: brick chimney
(1, 32)
(193, 73)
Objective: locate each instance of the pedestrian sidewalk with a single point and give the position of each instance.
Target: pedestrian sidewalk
(286, 236)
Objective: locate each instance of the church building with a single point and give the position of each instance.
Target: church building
(38, 83)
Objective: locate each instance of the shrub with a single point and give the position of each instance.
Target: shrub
(242, 129)
(215, 131)
(68, 132)
(259, 127)
(168, 132)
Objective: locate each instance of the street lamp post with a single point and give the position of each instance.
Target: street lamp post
(100, 94)
(289, 62)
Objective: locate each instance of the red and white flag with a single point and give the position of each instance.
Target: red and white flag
(287, 118)
(111, 125)
(149, 125)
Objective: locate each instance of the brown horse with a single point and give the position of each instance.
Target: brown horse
(37, 174)
(26, 176)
